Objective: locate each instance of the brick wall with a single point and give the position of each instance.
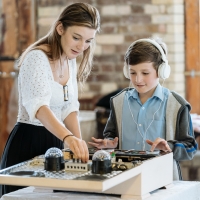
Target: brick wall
(122, 22)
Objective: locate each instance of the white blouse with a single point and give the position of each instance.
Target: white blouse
(37, 87)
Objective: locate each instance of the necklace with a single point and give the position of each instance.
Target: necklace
(61, 75)
(145, 132)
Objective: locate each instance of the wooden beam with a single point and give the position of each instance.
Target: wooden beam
(19, 31)
(192, 24)
(26, 23)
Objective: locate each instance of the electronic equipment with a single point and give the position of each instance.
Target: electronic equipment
(124, 155)
(54, 160)
(134, 179)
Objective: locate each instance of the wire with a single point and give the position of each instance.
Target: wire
(144, 137)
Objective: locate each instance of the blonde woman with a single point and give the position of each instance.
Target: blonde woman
(48, 95)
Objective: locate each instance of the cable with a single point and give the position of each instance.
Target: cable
(144, 137)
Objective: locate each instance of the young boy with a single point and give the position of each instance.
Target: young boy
(149, 116)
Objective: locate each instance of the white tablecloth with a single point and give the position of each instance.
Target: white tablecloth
(181, 190)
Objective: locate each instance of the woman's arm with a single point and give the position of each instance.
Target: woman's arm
(48, 119)
(72, 124)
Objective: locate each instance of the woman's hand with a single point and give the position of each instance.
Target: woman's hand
(104, 143)
(78, 147)
(159, 143)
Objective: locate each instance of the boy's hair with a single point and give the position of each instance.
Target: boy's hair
(145, 51)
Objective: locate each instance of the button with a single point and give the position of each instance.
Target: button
(143, 108)
(140, 124)
(138, 143)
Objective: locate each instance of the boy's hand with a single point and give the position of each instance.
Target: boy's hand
(159, 143)
(104, 143)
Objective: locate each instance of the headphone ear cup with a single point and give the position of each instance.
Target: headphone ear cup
(125, 71)
(164, 71)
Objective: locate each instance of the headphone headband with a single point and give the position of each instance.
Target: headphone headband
(163, 69)
(164, 58)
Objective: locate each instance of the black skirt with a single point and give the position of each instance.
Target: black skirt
(25, 142)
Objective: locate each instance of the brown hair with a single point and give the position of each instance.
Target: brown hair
(144, 51)
(77, 14)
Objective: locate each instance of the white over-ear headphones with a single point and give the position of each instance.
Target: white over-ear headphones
(163, 69)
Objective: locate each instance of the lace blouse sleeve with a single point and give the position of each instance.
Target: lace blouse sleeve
(73, 105)
(34, 82)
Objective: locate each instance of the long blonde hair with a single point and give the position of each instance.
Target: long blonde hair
(77, 14)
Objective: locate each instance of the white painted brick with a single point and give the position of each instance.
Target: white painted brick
(108, 10)
(175, 28)
(46, 21)
(167, 1)
(177, 67)
(108, 87)
(157, 19)
(108, 49)
(162, 8)
(176, 9)
(98, 50)
(110, 39)
(178, 19)
(176, 58)
(176, 47)
(151, 9)
(160, 35)
(167, 19)
(168, 84)
(170, 38)
(155, 9)
(123, 10)
(86, 95)
(177, 87)
(49, 11)
(83, 89)
(182, 93)
(116, 10)
(174, 38)
(177, 77)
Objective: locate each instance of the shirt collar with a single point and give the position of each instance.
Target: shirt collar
(157, 93)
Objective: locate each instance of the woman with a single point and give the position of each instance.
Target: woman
(48, 95)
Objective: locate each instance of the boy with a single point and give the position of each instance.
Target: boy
(149, 116)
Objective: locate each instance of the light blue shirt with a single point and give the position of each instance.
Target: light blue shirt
(150, 118)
